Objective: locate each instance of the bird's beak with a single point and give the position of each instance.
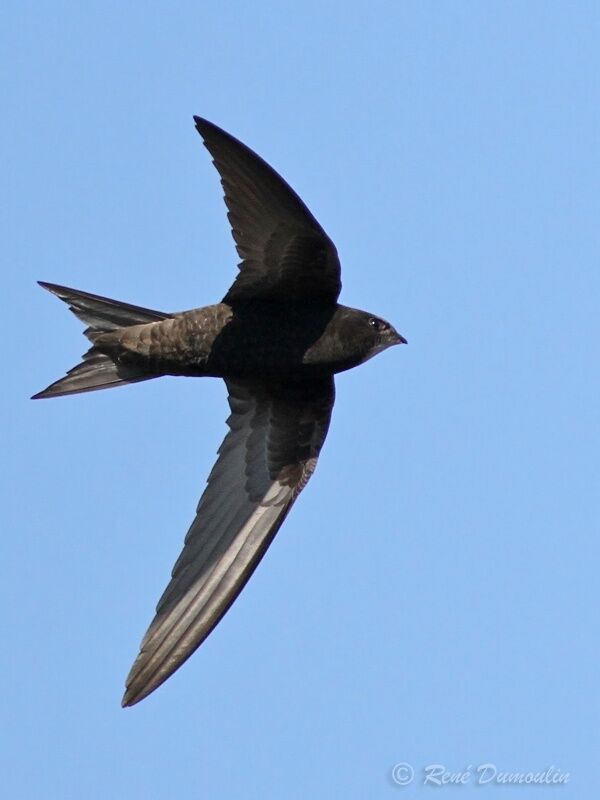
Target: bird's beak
(398, 339)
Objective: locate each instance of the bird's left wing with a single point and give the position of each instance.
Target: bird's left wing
(264, 462)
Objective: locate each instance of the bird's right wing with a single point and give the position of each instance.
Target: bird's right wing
(286, 254)
(264, 462)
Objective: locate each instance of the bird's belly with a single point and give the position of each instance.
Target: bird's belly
(267, 343)
(220, 342)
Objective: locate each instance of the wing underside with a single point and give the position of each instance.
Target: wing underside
(285, 253)
(264, 462)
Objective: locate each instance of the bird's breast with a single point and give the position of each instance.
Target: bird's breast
(259, 340)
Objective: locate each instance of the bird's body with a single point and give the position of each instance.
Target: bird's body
(277, 338)
(257, 340)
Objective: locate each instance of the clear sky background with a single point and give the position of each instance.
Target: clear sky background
(433, 597)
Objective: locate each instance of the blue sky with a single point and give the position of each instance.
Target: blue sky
(433, 597)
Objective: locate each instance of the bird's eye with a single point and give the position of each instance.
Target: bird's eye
(377, 324)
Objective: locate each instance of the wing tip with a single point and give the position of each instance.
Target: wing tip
(209, 131)
(55, 288)
(138, 687)
(130, 698)
(203, 126)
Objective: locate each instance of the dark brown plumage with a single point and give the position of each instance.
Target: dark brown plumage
(277, 339)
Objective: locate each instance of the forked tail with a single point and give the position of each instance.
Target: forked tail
(98, 370)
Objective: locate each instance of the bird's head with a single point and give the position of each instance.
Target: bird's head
(352, 337)
(379, 332)
(374, 333)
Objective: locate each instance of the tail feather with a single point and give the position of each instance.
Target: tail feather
(98, 370)
(101, 313)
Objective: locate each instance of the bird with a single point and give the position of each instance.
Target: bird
(277, 339)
